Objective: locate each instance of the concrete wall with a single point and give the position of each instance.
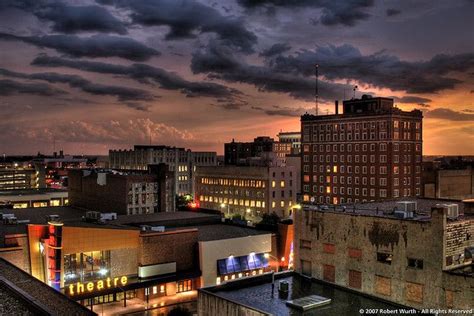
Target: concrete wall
(211, 251)
(123, 261)
(342, 248)
(449, 184)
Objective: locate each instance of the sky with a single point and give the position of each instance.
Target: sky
(89, 76)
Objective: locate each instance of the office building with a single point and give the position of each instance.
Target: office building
(289, 143)
(416, 252)
(122, 192)
(179, 160)
(246, 190)
(239, 153)
(33, 198)
(22, 177)
(372, 151)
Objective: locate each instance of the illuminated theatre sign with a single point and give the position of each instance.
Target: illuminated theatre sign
(81, 288)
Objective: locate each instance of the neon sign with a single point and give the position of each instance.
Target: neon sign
(80, 288)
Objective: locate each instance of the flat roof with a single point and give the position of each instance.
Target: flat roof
(386, 208)
(256, 293)
(18, 192)
(72, 216)
(224, 231)
(26, 292)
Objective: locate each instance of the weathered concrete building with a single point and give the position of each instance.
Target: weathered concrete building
(447, 183)
(417, 253)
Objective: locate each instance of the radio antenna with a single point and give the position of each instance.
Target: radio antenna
(316, 91)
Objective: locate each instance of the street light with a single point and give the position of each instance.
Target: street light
(228, 211)
(267, 255)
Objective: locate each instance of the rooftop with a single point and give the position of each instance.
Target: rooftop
(22, 294)
(222, 231)
(256, 293)
(30, 192)
(386, 208)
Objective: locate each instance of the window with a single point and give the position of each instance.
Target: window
(384, 257)
(329, 273)
(415, 263)
(355, 279)
(329, 248)
(305, 244)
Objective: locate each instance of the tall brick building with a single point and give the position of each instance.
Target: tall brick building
(372, 151)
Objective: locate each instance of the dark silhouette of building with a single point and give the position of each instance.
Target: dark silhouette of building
(236, 153)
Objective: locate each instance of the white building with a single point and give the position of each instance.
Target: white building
(181, 161)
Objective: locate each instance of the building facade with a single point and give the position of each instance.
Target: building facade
(289, 143)
(122, 193)
(371, 151)
(33, 198)
(16, 177)
(179, 160)
(245, 190)
(419, 256)
(448, 182)
(237, 153)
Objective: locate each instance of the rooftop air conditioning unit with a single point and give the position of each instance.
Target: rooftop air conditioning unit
(52, 218)
(92, 216)
(453, 211)
(108, 216)
(5, 216)
(407, 207)
(10, 220)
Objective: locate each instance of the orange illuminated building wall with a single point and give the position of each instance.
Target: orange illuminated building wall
(285, 244)
(74, 240)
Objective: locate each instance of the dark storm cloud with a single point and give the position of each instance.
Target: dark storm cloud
(74, 19)
(413, 99)
(392, 12)
(144, 73)
(378, 69)
(95, 46)
(74, 81)
(70, 19)
(218, 62)
(280, 111)
(447, 114)
(186, 18)
(276, 49)
(11, 87)
(347, 12)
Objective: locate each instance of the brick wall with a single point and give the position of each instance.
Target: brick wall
(178, 246)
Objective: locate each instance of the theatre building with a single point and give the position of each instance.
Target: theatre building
(100, 265)
(139, 262)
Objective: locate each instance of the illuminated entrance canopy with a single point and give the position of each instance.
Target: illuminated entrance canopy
(80, 288)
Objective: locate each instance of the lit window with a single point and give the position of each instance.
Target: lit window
(155, 289)
(282, 183)
(282, 203)
(273, 184)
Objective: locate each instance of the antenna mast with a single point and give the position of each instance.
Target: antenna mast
(316, 94)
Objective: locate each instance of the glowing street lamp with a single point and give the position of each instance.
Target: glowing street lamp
(228, 211)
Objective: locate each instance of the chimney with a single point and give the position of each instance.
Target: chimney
(337, 106)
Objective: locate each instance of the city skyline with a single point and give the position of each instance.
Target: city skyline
(92, 76)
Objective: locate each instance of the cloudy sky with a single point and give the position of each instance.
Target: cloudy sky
(93, 75)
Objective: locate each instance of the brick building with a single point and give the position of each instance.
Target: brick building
(238, 153)
(371, 151)
(419, 255)
(122, 193)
